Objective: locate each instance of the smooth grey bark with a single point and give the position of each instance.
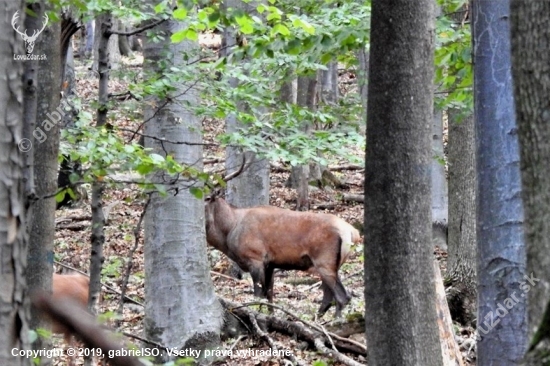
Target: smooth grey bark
(251, 187)
(462, 250)
(328, 85)
(440, 203)
(181, 309)
(400, 312)
(530, 29)
(14, 304)
(299, 176)
(328, 94)
(41, 221)
(500, 240)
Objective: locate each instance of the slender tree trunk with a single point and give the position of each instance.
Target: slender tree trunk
(530, 23)
(501, 250)
(42, 221)
(104, 22)
(14, 304)
(177, 276)
(440, 205)
(299, 178)
(462, 251)
(401, 325)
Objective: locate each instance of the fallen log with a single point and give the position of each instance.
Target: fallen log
(353, 197)
(314, 334)
(339, 168)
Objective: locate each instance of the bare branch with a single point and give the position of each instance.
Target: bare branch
(139, 30)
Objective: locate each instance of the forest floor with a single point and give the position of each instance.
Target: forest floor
(295, 291)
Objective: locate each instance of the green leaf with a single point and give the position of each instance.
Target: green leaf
(157, 159)
(159, 8)
(192, 35)
(214, 17)
(282, 29)
(180, 13)
(178, 36)
(197, 192)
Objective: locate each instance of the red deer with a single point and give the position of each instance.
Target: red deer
(74, 287)
(260, 239)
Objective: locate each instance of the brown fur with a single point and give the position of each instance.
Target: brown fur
(74, 287)
(263, 238)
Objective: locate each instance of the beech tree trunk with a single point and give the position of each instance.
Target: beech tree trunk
(14, 304)
(181, 309)
(400, 312)
(299, 176)
(251, 187)
(502, 332)
(530, 23)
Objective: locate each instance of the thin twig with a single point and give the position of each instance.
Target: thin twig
(139, 30)
(144, 340)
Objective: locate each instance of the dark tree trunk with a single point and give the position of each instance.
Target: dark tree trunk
(461, 262)
(14, 304)
(501, 250)
(69, 26)
(530, 23)
(401, 325)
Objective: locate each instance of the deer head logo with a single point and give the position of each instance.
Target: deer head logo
(29, 40)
